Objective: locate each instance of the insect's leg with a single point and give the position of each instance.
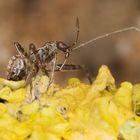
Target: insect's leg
(64, 62)
(32, 47)
(20, 49)
(29, 81)
(88, 75)
(70, 67)
(31, 89)
(74, 43)
(32, 72)
(45, 70)
(32, 53)
(53, 69)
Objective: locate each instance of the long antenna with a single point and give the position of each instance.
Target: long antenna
(77, 32)
(106, 35)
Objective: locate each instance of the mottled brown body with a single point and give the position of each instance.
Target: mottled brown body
(17, 68)
(26, 65)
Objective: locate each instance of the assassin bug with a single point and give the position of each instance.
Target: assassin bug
(40, 57)
(26, 65)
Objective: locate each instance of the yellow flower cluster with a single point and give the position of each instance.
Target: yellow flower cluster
(77, 112)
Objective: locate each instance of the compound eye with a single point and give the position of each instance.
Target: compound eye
(62, 46)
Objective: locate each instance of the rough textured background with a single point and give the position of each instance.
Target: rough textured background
(40, 21)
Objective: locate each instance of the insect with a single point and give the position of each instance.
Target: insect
(26, 65)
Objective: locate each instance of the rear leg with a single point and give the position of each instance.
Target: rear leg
(71, 67)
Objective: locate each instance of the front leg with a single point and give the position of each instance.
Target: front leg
(29, 81)
(51, 78)
(53, 69)
(32, 72)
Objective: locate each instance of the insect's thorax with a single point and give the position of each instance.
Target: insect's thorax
(46, 53)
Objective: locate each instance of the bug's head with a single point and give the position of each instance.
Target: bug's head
(62, 46)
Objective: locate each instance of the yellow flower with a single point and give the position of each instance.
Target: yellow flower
(77, 112)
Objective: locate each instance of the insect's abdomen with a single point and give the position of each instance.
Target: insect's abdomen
(17, 68)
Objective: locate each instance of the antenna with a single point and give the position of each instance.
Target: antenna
(107, 35)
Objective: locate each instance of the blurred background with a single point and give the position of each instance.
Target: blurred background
(39, 21)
